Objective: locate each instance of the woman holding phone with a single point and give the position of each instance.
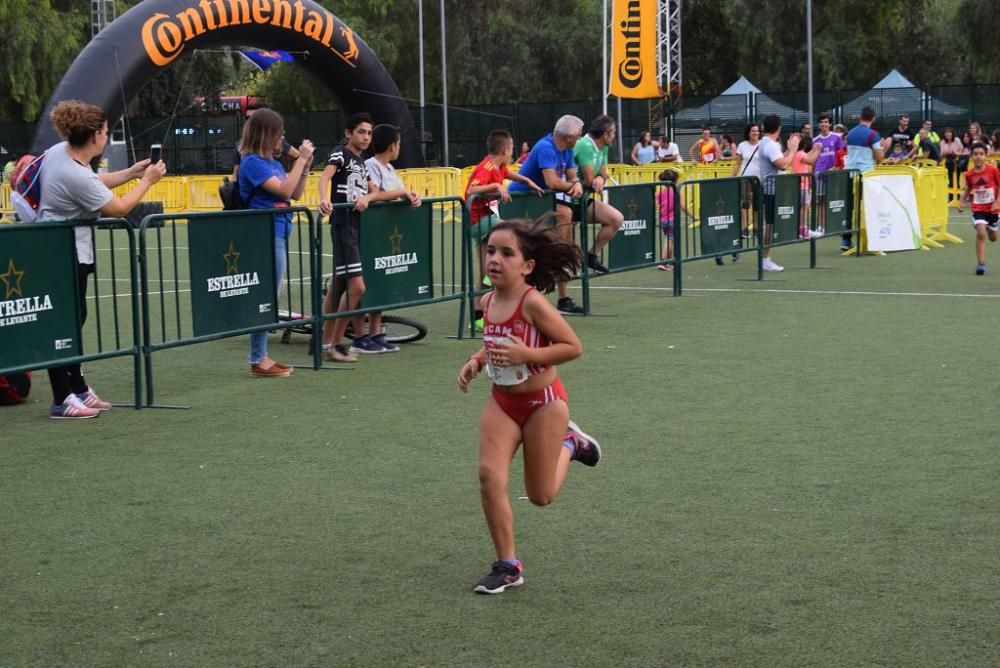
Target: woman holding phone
(71, 190)
(264, 184)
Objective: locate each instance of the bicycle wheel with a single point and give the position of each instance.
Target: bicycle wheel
(402, 330)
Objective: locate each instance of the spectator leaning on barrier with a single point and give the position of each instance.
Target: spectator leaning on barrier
(951, 150)
(385, 143)
(865, 149)
(928, 142)
(347, 173)
(264, 184)
(71, 190)
(550, 165)
(773, 160)
(644, 151)
(591, 157)
(668, 151)
(904, 134)
(706, 150)
(488, 178)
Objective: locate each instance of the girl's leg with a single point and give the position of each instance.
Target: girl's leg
(546, 460)
(499, 437)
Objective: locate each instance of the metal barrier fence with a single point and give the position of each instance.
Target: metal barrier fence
(41, 308)
(207, 276)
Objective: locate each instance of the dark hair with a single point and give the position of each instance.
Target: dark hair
(383, 136)
(601, 125)
(748, 128)
(902, 116)
(707, 127)
(77, 121)
(978, 144)
(354, 120)
(948, 129)
(497, 140)
(727, 139)
(556, 259)
(772, 122)
(868, 114)
(822, 116)
(669, 175)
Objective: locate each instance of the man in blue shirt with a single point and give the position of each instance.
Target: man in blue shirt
(865, 149)
(550, 165)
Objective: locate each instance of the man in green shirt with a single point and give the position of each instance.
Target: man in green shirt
(591, 157)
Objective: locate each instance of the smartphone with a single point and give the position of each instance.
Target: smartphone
(155, 153)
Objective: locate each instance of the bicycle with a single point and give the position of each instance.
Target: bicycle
(397, 329)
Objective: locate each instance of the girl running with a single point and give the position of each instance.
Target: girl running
(524, 338)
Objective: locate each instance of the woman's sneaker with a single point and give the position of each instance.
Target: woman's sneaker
(72, 409)
(91, 400)
(501, 576)
(586, 449)
(385, 344)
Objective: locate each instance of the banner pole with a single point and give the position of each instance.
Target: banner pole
(604, 55)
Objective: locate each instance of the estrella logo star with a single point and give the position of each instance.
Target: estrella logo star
(396, 239)
(232, 258)
(12, 280)
(720, 206)
(632, 208)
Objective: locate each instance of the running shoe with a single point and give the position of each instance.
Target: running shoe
(91, 400)
(501, 576)
(718, 260)
(767, 264)
(980, 268)
(586, 449)
(567, 305)
(72, 409)
(385, 344)
(363, 345)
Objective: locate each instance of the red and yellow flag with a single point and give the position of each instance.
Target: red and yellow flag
(633, 49)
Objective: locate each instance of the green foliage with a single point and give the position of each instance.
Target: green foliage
(41, 39)
(534, 51)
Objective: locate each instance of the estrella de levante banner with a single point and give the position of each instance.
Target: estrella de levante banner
(633, 49)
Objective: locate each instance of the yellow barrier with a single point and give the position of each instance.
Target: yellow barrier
(931, 187)
(433, 181)
(203, 193)
(172, 191)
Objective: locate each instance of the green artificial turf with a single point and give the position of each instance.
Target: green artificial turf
(797, 472)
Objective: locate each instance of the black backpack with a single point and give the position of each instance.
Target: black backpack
(229, 193)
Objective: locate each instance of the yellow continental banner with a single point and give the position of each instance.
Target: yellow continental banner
(633, 49)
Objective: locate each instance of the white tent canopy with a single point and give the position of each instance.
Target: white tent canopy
(734, 104)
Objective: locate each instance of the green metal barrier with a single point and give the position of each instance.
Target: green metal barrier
(409, 257)
(39, 303)
(716, 218)
(207, 276)
(521, 205)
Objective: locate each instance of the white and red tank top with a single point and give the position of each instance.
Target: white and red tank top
(515, 325)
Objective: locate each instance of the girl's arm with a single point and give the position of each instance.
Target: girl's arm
(473, 365)
(564, 345)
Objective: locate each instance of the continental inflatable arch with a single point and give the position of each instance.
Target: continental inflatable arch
(154, 33)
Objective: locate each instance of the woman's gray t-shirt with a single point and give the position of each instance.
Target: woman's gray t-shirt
(71, 191)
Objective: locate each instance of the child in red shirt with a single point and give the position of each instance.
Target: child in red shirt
(488, 178)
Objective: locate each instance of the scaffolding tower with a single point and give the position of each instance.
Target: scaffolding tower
(102, 13)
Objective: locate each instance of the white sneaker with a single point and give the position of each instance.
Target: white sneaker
(770, 265)
(816, 234)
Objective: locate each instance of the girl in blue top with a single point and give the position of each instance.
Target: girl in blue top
(264, 184)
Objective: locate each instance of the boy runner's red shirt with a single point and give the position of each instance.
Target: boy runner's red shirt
(485, 173)
(984, 186)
